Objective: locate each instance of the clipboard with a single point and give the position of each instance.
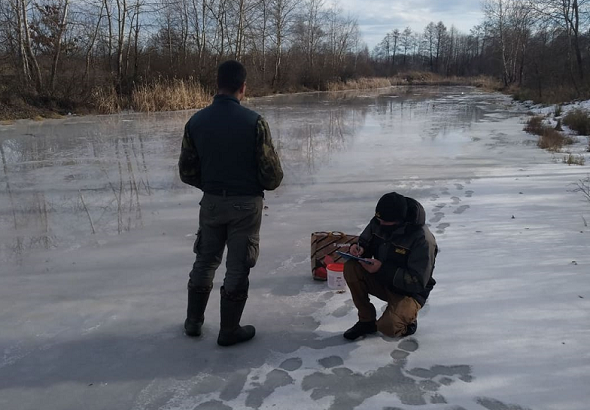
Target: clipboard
(350, 256)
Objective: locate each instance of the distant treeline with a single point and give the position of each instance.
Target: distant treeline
(70, 53)
(538, 48)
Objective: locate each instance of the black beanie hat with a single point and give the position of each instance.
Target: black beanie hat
(392, 207)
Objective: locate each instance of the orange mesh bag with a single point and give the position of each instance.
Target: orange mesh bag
(323, 251)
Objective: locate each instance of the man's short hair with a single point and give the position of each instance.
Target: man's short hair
(231, 75)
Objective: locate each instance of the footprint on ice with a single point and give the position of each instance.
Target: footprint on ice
(348, 389)
(455, 200)
(437, 217)
(213, 405)
(344, 310)
(438, 207)
(469, 194)
(291, 364)
(331, 361)
(440, 228)
(461, 209)
(274, 379)
(459, 186)
(493, 404)
(409, 345)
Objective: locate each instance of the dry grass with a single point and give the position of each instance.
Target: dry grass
(106, 100)
(572, 159)
(553, 95)
(553, 140)
(535, 125)
(414, 78)
(578, 120)
(427, 78)
(486, 83)
(549, 138)
(359, 84)
(169, 96)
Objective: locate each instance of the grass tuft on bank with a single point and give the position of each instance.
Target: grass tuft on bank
(169, 96)
(578, 120)
(573, 159)
(160, 95)
(359, 84)
(549, 138)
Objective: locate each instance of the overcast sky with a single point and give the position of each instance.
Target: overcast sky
(377, 17)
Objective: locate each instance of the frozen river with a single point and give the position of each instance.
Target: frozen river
(68, 179)
(96, 234)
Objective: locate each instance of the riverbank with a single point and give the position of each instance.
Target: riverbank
(184, 95)
(179, 95)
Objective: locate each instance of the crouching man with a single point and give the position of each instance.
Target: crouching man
(401, 251)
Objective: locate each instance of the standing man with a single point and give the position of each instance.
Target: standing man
(400, 251)
(227, 152)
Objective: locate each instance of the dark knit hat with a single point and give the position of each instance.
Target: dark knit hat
(392, 207)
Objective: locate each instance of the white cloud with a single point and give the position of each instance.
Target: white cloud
(377, 17)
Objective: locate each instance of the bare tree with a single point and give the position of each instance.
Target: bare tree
(22, 12)
(511, 22)
(406, 42)
(282, 13)
(62, 14)
(312, 16)
(429, 35)
(568, 16)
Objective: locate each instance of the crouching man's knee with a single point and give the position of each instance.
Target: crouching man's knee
(397, 317)
(352, 271)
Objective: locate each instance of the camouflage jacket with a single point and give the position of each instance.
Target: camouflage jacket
(269, 171)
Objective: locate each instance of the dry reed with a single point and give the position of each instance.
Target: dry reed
(169, 96)
(106, 100)
(359, 84)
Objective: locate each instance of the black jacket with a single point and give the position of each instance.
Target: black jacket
(407, 253)
(227, 147)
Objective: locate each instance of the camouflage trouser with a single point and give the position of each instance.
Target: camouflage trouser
(233, 221)
(400, 311)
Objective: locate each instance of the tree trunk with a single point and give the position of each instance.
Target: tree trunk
(22, 53)
(122, 15)
(61, 30)
(91, 46)
(29, 50)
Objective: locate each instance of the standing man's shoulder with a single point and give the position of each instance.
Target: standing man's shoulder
(200, 114)
(252, 115)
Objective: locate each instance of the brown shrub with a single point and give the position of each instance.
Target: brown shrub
(535, 125)
(578, 120)
(552, 140)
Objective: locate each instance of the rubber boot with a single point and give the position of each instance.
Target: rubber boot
(195, 311)
(411, 328)
(231, 332)
(361, 329)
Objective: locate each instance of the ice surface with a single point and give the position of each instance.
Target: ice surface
(94, 320)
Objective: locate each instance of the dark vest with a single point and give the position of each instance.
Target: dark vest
(224, 134)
